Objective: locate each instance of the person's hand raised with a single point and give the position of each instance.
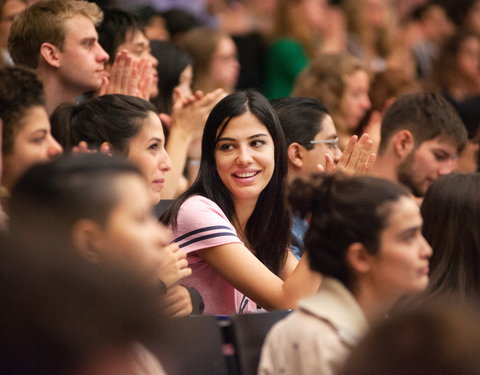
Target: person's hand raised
(357, 157)
(128, 77)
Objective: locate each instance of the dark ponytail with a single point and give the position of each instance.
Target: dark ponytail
(342, 210)
(115, 119)
(61, 120)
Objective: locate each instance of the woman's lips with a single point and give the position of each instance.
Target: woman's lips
(246, 174)
(158, 183)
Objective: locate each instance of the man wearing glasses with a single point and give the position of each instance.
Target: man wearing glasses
(312, 147)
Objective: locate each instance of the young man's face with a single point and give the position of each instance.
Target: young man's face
(82, 59)
(427, 162)
(316, 155)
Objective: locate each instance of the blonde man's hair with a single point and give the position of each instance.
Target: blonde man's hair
(45, 22)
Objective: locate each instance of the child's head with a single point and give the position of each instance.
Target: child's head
(364, 228)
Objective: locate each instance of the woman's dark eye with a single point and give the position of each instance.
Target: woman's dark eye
(257, 143)
(226, 147)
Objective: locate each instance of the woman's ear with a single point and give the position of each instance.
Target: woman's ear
(87, 240)
(295, 154)
(358, 258)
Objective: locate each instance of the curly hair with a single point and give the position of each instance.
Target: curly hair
(20, 90)
(325, 79)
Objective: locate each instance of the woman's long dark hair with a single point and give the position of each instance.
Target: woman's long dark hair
(451, 215)
(268, 228)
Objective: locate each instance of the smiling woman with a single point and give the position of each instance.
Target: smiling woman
(234, 222)
(245, 159)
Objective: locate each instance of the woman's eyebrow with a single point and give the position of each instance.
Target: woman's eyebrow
(233, 139)
(258, 135)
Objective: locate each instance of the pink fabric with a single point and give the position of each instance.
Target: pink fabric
(201, 224)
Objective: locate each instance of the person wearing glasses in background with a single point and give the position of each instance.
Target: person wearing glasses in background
(313, 147)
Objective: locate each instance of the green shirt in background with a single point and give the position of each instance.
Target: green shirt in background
(286, 58)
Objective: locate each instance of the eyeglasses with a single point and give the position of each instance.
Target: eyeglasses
(333, 143)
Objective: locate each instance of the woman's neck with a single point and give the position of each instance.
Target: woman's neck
(462, 88)
(374, 304)
(243, 210)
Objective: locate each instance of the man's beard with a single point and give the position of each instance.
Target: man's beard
(405, 176)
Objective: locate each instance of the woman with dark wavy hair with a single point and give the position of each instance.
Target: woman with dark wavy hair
(234, 222)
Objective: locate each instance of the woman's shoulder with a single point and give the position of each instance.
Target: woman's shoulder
(199, 212)
(201, 223)
(299, 342)
(198, 205)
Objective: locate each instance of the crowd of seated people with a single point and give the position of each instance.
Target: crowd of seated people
(162, 160)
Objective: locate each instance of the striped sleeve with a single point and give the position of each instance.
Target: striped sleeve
(201, 224)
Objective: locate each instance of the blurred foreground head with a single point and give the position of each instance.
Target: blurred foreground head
(439, 338)
(60, 315)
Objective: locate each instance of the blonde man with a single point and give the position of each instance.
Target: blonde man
(58, 39)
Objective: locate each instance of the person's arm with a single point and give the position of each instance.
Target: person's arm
(219, 245)
(290, 264)
(239, 266)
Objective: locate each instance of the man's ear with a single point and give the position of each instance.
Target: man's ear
(86, 238)
(50, 54)
(403, 143)
(295, 154)
(358, 258)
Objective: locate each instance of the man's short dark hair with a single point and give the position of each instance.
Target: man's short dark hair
(114, 29)
(426, 116)
(301, 119)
